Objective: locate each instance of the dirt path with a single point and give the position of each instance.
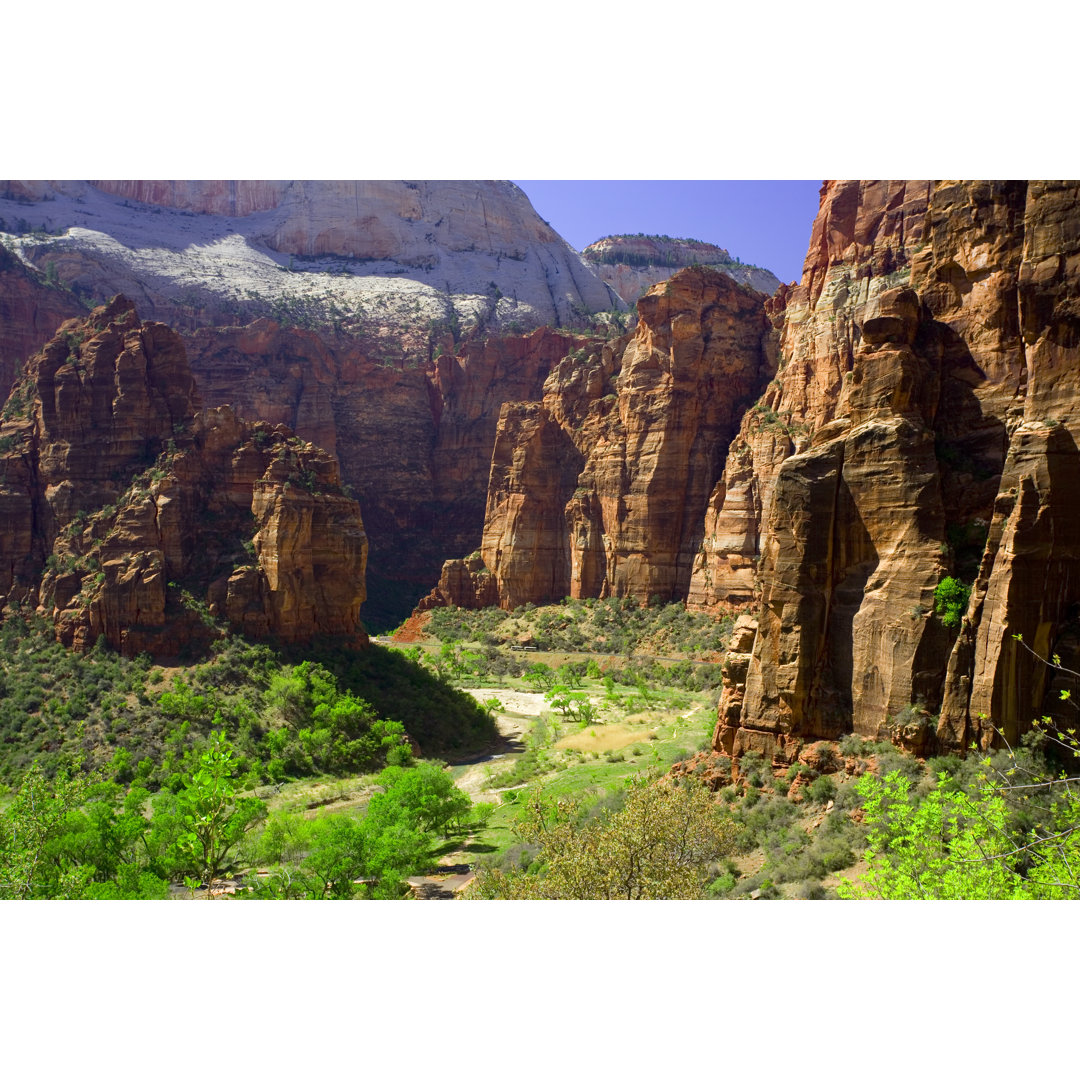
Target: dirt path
(518, 706)
(453, 875)
(525, 702)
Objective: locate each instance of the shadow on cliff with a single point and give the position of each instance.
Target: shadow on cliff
(970, 447)
(833, 694)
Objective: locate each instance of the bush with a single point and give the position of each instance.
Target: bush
(821, 790)
(951, 600)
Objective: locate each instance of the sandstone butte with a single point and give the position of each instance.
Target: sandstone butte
(129, 512)
(599, 488)
(922, 424)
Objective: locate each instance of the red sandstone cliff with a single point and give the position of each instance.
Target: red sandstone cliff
(414, 443)
(130, 513)
(599, 489)
(31, 311)
(390, 365)
(925, 399)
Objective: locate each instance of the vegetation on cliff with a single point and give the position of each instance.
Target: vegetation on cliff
(613, 626)
(660, 250)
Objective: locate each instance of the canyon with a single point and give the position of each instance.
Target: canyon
(815, 459)
(596, 490)
(915, 421)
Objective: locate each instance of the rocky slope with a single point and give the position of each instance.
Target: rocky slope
(599, 489)
(391, 263)
(126, 511)
(922, 424)
(631, 265)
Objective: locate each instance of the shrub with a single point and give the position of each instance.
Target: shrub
(821, 790)
(951, 600)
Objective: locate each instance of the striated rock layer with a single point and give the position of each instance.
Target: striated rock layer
(599, 488)
(631, 265)
(125, 511)
(385, 261)
(414, 443)
(922, 424)
(31, 311)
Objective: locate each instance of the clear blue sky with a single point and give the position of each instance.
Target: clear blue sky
(765, 222)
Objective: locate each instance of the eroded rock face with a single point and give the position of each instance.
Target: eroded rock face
(925, 399)
(599, 488)
(631, 265)
(398, 324)
(133, 515)
(463, 583)
(414, 443)
(30, 313)
(381, 260)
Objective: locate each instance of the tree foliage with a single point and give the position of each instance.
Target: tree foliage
(208, 818)
(658, 846)
(340, 857)
(31, 867)
(951, 600)
(1014, 833)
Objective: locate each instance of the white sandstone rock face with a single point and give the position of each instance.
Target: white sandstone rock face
(356, 254)
(632, 265)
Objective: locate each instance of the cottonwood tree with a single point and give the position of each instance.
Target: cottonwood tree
(658, 846)
(29, 829)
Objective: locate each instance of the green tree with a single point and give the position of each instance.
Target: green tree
(30, 866)
(424, 797)
(106, 837)
(201, 825)
(1013, 833)
(949, 846)
(658, 846)
(315, 728)
(338, 857)
(569, 675)
(540, 676)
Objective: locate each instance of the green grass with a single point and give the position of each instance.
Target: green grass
(584, 777)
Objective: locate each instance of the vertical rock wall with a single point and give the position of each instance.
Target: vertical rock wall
(922, 424)
(600, 488)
